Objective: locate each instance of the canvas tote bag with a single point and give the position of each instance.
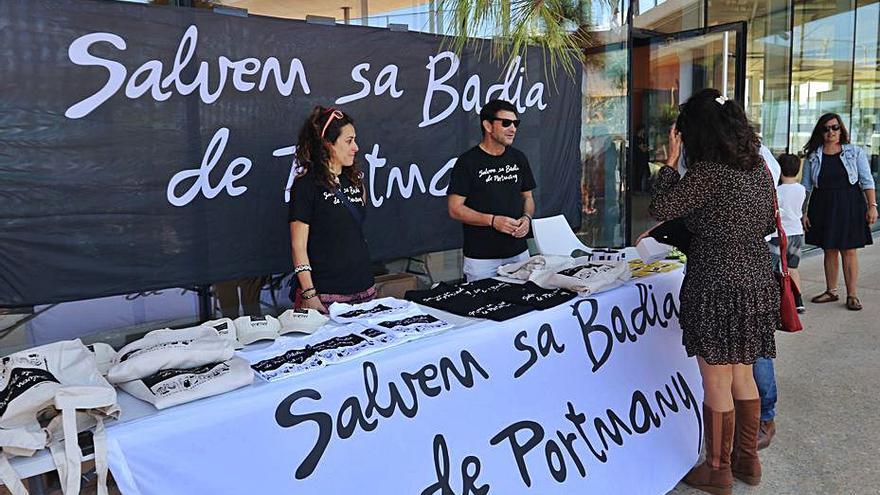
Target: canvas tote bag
(48, 395)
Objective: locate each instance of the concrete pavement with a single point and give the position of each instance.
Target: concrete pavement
(828, 415)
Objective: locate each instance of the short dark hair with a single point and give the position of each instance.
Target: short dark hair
(789, 164)
(491, 109)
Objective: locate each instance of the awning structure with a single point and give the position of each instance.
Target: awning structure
(299, 9)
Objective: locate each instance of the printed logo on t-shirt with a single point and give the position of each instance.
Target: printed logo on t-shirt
(412, 320)
(351, 192)
(507, 173)
(291, 357)
(376, 310)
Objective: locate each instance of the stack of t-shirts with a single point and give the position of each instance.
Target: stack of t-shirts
(386, 307)
(414, 324)
(289, 357)
(458, 300)
(531, 294)
(490, 298)
(169, 367)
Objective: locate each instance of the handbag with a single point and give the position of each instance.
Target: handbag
(673, 233)
(788, 291)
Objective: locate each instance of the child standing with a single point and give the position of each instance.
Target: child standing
(791, 195)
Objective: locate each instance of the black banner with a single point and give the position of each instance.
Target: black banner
(145, 147)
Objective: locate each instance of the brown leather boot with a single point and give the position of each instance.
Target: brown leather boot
(744, 460)
(714, 475)
(766, 433)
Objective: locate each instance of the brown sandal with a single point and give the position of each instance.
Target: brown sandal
(825, 297)
(853, 304)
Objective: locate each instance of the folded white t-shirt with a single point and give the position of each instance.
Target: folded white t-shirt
(369, 311)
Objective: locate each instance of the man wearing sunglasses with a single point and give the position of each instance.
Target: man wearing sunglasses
(491, 194)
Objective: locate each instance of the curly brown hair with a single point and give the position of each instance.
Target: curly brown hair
(715, 129)
(313, 149)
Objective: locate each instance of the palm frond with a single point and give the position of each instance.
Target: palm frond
(557, 26)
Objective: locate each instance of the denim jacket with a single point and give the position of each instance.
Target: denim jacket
(854, 159)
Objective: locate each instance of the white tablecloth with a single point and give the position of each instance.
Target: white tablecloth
(593, 396)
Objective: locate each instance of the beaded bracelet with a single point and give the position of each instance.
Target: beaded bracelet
(302, 268)
(303, 295)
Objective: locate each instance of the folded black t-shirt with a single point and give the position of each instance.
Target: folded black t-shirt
(531, 294)
(467, 300)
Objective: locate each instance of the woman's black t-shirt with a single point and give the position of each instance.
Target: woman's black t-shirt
(337, 249)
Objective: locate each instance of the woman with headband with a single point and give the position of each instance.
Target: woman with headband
(327, 211)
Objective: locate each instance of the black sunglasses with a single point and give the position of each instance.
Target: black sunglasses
(829, 128)
(506, 122)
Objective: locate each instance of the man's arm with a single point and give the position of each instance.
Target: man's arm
(528, 212)
(458, 211)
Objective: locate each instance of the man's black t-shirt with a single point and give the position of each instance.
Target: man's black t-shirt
(337, 249)
(493, 185)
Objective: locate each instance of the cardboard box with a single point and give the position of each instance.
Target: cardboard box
(395, 284)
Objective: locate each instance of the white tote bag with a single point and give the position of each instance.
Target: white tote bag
(57, 385)
(166, 348)
(171, 387)
(584, 277)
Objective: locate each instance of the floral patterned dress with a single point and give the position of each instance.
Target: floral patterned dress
(729, 297)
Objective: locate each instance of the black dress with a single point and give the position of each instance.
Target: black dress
(837, 209)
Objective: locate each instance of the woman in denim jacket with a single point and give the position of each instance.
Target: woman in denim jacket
(842, 204)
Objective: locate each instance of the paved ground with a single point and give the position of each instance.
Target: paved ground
(828, 414)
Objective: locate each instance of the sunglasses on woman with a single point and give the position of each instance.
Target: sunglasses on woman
(506, 122)
(829, 128)
(334, 114)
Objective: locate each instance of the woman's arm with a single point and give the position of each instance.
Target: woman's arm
(299, 238)
(871, 198)
(675, 196)
(866, 180)
(807, 175)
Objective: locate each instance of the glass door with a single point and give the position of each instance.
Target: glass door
(666, 70)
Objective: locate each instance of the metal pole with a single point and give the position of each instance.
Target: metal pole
(365, 12)
(346, 15)
(725, 53)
